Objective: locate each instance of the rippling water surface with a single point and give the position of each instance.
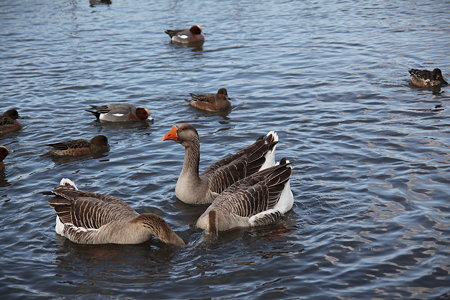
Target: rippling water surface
(370, 153)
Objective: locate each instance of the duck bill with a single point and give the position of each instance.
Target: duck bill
(171, 135)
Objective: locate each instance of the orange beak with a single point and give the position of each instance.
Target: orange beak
(171, 135)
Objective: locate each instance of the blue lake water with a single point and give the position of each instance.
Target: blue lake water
(371, 156)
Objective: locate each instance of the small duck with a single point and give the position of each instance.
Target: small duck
(259, 199)
(3, 153)
(92, 218)
(211, 102)
(120, 112)
(8, 121)
(425, 78)
(97, 144)
(191, 35)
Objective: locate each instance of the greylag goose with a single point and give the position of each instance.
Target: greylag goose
(259, 199)
(120, 112)
(425, 78)
(3, 153)
(211, 102)
(91, 218)
(97, 144)
(8, 121)
(195, 188)
(191, 35)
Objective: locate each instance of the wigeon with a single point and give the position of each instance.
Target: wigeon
(211, 102)
(8, 121)
(121, 112)
(425, 78)
(191, 35)
(97, 144)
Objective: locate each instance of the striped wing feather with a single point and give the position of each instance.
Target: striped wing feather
(256, 193)
(240, 165)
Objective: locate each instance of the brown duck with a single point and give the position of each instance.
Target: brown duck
(425, 78)
(97, 144)
(8, 121)
(211, 102)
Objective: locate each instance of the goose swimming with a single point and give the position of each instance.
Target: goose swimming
(259, 199)
(195, 188)
(91, 218)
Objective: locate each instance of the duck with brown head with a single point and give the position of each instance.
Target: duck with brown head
(80, 147)
(120, 112)
(195, 188)
(191, 35)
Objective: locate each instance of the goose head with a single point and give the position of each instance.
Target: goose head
(184, 134)
(159, 228)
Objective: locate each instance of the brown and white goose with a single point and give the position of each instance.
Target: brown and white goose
(259, 199)
(91, 218)
(195, 188)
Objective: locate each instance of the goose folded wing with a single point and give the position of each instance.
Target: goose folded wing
(89, 213)
(73, 195)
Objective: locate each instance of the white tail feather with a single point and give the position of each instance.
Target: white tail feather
(65, 181)
(270, 155)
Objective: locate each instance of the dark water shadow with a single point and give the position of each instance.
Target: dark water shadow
(93, 3)
(436, 90)
(69, 253)
(3, 180)
(196, 48)
(59, 160)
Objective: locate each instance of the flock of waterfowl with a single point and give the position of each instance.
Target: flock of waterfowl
(246, 189)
